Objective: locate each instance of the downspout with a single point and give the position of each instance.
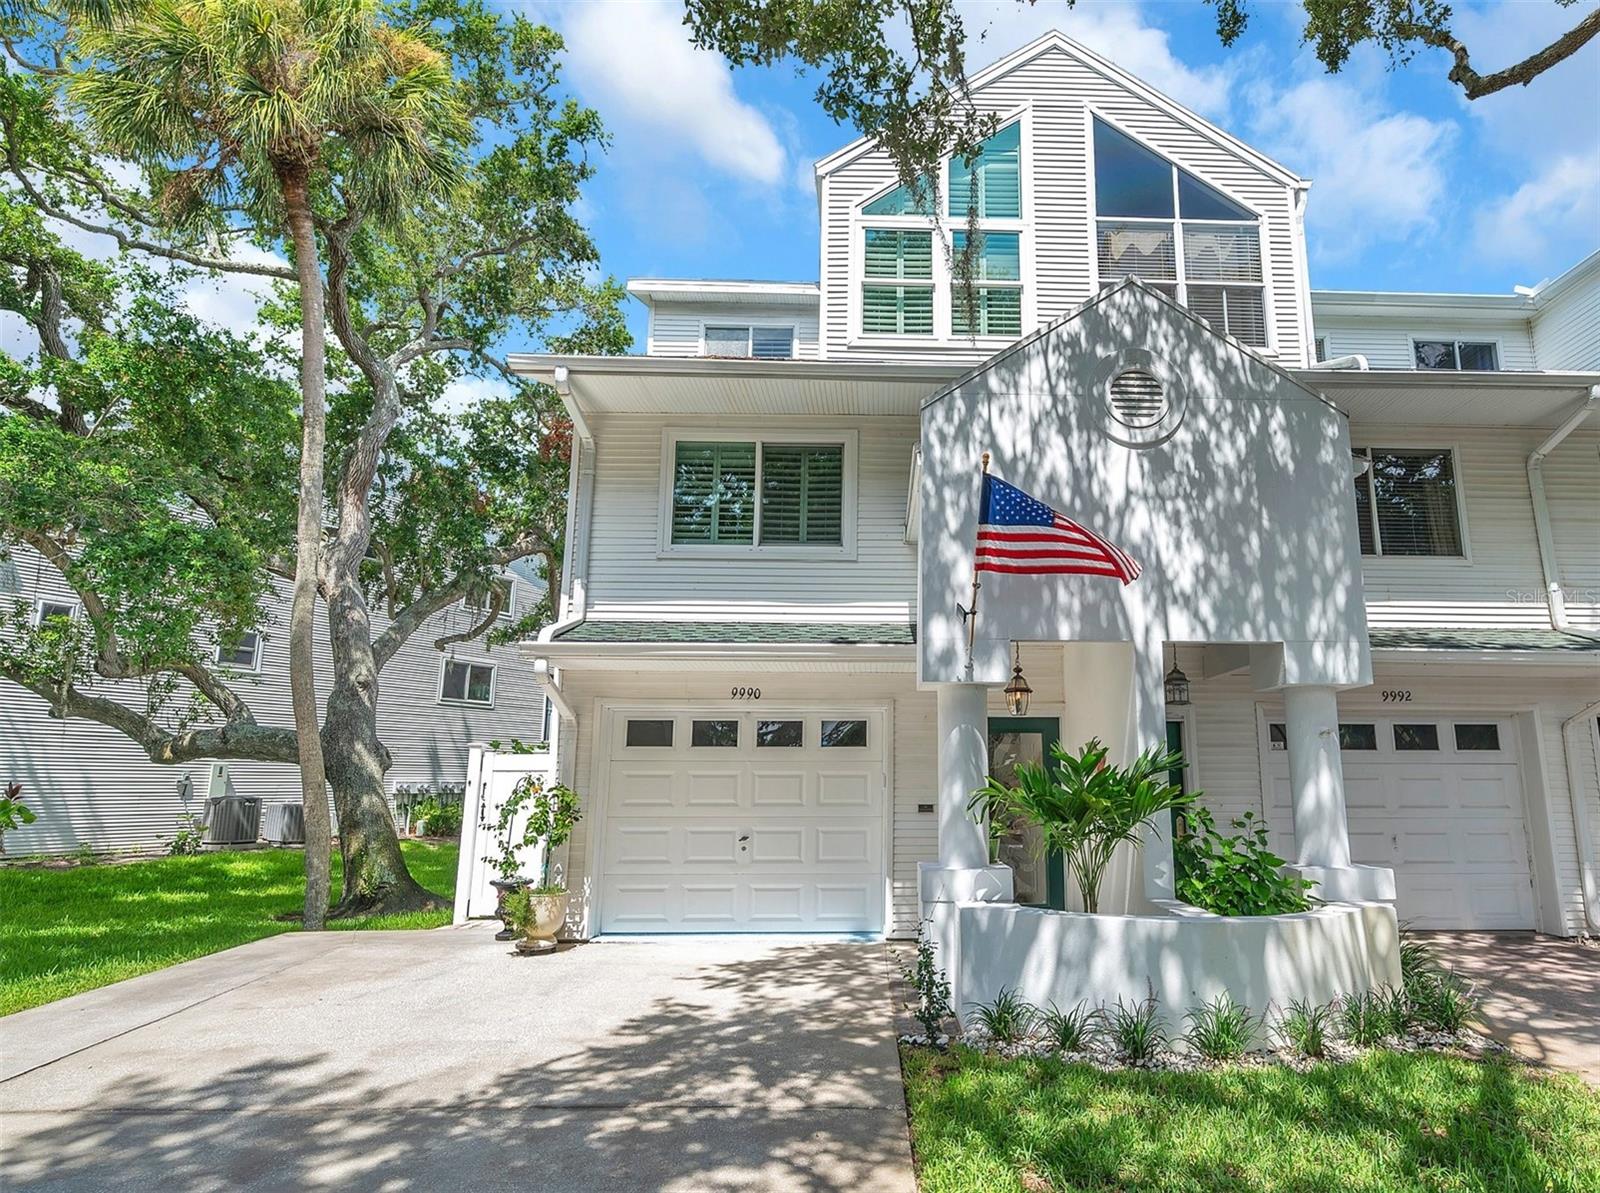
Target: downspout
(1541, 510)
(1588, 883)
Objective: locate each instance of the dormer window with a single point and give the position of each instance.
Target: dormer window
(745, 341)
(1182, 236)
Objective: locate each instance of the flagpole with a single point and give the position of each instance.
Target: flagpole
(972, 612)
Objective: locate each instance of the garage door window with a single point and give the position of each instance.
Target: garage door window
(780, 733)
(1477, 737)
(715, 734)
(1416, 737)
(1358, 737)
(844, 734)
(649, 733)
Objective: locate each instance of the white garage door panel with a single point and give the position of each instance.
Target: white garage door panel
(743, 838)
(1448, 822)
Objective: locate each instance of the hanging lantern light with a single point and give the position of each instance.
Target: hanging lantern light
(1177, 683)
(1017, 691)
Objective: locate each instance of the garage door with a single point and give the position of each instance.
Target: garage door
(737, 821)
(1439, 800)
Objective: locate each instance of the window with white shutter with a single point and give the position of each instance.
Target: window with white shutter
(897, 294)
(802, 493)
(714, 493)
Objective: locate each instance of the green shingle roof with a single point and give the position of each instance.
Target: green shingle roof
(811, 633)
(1490, 640)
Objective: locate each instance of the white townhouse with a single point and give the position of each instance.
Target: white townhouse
(92, 787)
(1369, 526)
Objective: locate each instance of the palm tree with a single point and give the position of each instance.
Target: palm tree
(242, 110)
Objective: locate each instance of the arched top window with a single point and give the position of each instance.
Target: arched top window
(1183, 236)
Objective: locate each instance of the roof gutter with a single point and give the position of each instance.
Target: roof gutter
(1589, 885)
(1354, 361)
(1541, 509)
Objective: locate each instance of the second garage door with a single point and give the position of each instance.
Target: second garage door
(738, 821)
(1439, 800)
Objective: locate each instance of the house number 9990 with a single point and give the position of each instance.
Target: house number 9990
(746, 693)
(1397, 696)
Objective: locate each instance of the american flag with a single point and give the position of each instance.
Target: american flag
(1020, 534)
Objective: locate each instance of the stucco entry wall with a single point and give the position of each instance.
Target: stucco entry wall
(1067, 958)
(1236, 502)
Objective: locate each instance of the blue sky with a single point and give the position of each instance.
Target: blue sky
(1415, 188)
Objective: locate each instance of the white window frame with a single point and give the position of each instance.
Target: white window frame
(750, 328)
(1457, 341)
(74, 608)
(462, 700)
(756, 549)
(1091, 114)
(943, 227)
(1405, 443)
(255, 662)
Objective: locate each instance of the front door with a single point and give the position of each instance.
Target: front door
(1014, 740)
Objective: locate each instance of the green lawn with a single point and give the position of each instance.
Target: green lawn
(1388, 1121)
(66, 930)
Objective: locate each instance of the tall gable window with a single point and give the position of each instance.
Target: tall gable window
(994, 178)
(1407, 501)
(897, 297)
(1184, 237)
(781, 491)
(997, 277)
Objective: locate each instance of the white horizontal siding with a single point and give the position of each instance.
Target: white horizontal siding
(92, 786)
(1566, 333)
(1059, 90)
(676, 328)
(1501, 583)
(627, 579)
(1228, 760)
(1386, 341)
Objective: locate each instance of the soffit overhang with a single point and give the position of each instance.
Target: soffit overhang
(1451, 398)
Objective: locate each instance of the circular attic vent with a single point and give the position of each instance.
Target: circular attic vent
(1138, 398)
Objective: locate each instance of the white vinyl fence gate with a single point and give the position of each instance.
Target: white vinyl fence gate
(491, 776)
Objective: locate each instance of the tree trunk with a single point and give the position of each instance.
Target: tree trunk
(376, 880)
(302, 614)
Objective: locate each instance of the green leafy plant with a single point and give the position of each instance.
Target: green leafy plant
(518, 746)
(14, 814)
(1366, 1018)
(1234, 875)
(1440, 1002)
(1136, 1029)
(1304, 1027)
(930, 985)
(1221, 1029)
(1084, 806)
(190, 836)
(1417, 958)
(436, 817)
(551, 814)
(1007, 1019)
(1070, 1030)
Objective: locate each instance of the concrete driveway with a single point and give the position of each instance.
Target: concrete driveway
(420, 1061)
(1540, 994)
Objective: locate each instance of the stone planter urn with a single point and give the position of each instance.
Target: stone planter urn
(546, 915)
(502, 888)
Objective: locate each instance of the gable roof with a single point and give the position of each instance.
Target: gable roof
(1058, 41)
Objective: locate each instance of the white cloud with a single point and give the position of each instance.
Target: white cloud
(1530, 224)
(635, 63)
(1378, 175)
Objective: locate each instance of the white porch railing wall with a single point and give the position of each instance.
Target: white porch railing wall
(491, 776)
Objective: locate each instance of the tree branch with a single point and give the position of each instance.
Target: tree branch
(497, 604)
(1478, 85)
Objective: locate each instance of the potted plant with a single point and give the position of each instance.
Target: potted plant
(1085, 807)
(539, 911)
(507, 841)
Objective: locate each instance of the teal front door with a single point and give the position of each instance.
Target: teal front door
(1039, 879)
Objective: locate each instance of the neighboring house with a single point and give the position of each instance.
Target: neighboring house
(93, 787)
(1380, 576)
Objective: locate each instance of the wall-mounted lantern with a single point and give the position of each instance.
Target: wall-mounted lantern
(1017, 691)
(1177, 683)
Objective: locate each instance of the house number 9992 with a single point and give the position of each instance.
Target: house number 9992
(1397, 696)
(746, 693)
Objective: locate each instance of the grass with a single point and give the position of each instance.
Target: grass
(1421, 1122)
(66, 930)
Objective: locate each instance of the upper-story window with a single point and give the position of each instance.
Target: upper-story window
(745, 340)
(465, 682)
(780, 492)
(242, 653)
(1184, 237)
(1407, 501)
(1475, 355)
(907, 280)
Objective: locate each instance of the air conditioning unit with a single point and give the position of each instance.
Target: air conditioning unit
(230, 819)
(284, 824)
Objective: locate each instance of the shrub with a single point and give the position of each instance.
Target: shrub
(1007, 1019)
(1396, 1005)
(1440, 1002)
(437, 818)
(190, 836)
(1071, 1030)
(930, 985)
(1136, 1029)
(1304, 1027)
(1365, 1018)
(1220, 1029)
(1235, 875)
(14, 814)
(1416, 959)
